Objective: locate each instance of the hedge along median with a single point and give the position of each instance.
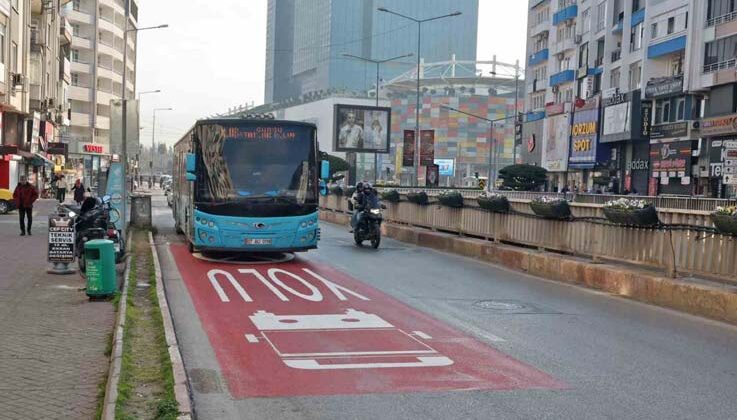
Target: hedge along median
(719, 303)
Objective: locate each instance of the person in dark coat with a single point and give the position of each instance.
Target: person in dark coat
(24, 196)
(78, 189)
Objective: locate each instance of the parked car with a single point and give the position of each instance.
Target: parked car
(6, 201)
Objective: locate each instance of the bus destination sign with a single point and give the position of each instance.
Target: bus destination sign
(261, 133)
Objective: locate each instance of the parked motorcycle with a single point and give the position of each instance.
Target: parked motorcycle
(369, 224)
(96, 219)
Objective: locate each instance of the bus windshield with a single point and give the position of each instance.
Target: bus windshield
(256, 166)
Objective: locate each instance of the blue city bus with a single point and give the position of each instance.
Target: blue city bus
(247, 185)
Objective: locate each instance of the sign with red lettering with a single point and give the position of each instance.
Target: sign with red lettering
(93, 148)
(301, 328)
(670, 157)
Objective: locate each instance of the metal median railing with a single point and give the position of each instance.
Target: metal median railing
(684, 242)
(661, 202)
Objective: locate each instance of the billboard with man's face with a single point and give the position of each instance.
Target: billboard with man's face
(363, 129)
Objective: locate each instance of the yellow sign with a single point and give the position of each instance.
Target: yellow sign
(583, 145)
(584, 129)
(482, 184)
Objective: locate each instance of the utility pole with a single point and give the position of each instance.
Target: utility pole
(419, 23)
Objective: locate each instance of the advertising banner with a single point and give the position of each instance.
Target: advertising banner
(61, 239)
(427, 147)
(408, 150)
(672, 130)
(584, 136)
(664, 86)
(671, 160)
(362, 129)
(717, 126)
(555, 143)
(432, 176)
(446, 167)
(616, 119)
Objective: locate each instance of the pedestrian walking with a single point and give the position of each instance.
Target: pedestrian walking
(24, 196)
(78, 189)
(61, 189)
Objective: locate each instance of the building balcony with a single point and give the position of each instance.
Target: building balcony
(81, 42)
(102, 122)
(540, 28)
(537, 85)
(564, 45)
(65, 32)
(81, 67)
(80, 93)
(729, 17)
(637, 17)
(719, 73)
(599, 61)
(563, 15)
(667, 47)
(564, 76)
(80, 16)
(108, 25)
(539, 57)
(80, 119)
(107, 48)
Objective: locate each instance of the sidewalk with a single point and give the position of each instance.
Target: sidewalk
(52, 350)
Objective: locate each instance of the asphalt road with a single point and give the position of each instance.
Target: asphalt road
(612, 358)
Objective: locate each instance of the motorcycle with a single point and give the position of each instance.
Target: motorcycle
(96, 221)
(369, 223)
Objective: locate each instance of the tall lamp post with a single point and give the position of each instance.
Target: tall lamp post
(493, 152)
(419, 23)
(140, 128)
(516, 103)
(153, 137)
(378, 64)
(124, 97)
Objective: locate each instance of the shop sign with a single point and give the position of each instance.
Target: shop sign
(616, 118)
(647, 113)
(717, 126)
(638, 165)
(669, 160)
(664, 86)
(61, 239)
(555, 109)
(58, 149)
(668, 131)
(615, 99)
(723, 159)
(556, 138)
(584, 136)
(93, 148)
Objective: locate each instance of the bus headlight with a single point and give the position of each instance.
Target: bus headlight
(211, 224)
(303, 225)
(203, 235)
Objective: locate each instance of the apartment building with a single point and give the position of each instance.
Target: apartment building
(34, 81)
(617, 93)
(97, 54)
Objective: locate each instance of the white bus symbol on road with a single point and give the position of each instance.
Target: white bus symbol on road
(339, 341)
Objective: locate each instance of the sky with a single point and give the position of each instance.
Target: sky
(212, 58)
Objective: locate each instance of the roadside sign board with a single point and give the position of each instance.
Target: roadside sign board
(61, 239)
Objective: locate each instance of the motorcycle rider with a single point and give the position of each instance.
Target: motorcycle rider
(358, 199)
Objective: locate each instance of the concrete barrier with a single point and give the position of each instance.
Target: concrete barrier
(719, 303)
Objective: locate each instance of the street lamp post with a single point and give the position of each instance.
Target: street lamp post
(137, 157)
(153, 137)
(419, 23)
(378, 64)
(124, 110)
(493, 152)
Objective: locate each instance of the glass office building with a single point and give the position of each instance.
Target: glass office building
(306, 40)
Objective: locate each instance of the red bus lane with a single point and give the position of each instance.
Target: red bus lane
(301, 328)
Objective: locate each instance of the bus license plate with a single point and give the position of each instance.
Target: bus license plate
(259, 241)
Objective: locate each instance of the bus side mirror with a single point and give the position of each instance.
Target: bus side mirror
(325, 169)
(323, 188)
(191, 163)
(191, 177)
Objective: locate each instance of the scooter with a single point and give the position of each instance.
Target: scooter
(96, 222)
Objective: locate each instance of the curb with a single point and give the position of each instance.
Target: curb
(717, 303)
(181, 385)
(116, 357)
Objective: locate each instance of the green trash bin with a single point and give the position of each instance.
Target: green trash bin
(101, 278)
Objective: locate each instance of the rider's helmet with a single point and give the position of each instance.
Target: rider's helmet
(360, 186)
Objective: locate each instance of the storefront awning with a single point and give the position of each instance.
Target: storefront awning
(40, 160)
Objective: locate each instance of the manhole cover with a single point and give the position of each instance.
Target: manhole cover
(500, 305)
